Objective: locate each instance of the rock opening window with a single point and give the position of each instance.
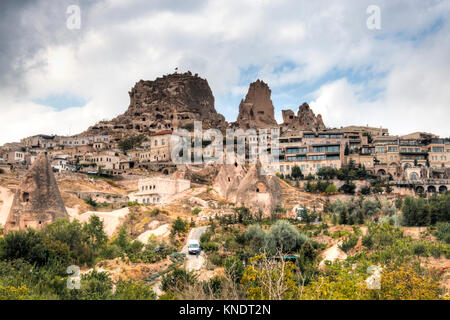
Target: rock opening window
(261, 187)
(25, 197)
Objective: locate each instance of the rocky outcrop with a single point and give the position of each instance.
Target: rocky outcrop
(304, 120)
(257, 110)
(228, 179)
(38, 201)
(166, 103)
(249, 188)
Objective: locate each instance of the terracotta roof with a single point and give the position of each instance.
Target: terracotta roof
(159, 133)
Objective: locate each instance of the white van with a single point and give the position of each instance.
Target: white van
(193, 247)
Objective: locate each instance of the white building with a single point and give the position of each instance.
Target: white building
(158, 189)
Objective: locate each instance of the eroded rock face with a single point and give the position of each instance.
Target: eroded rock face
(249, 188)
(38, 201)
(304, 120)
(166, 103)
(228, 179)
(257, 110)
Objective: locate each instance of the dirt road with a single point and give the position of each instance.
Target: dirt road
(194, 262)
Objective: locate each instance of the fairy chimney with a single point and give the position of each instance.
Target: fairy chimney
(37, 201)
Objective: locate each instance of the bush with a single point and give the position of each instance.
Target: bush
(179, 225)
(365, 190)
(415, 211)
(255, 237)
(443, 231)
(94, 286)
(196, 211)
(205, 237)
(348, 188)
(419, 249)
(27, 245)
(133, 290)
(284, 237)
(210, 246)
(370, 207)
(367, 241)
(348, 243)
(234, 268)
(178, 279)
(215, 259)
(331, 188)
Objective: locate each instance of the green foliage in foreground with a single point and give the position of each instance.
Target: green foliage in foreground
(33, 264)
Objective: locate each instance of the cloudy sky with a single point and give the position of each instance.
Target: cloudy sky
(60, 80)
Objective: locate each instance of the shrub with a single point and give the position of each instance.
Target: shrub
(27, 245)
(196, 211)
(370, 207)
(367, 241)
(210, 246)
(133, 290)
(205, 237)
(405, 283)
(215, 259)
(255, 237)
(94, 286)
(348, 243)
(419, 249)
(348, 188)
(415, 211)
(179, 225)
(284, 237)
(13, 293)
(365, 190)
(331, 188)
(234, 268)
(178, 279)
(443, 231)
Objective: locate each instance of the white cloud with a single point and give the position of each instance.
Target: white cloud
(120, 43)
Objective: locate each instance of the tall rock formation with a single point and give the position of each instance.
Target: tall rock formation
(257, 110)
(249, 188)
(304, 120)
(172, 101)
(37, 202)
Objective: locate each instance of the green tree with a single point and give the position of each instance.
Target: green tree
(284, 237)
(296, 173)
(179, 225)
(95, 234)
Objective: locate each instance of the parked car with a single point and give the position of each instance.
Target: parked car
(194, 247)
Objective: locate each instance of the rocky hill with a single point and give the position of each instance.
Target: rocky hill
(166, 103)
(304, 120)
(177, 100)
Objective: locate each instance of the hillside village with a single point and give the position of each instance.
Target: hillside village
(337, 191)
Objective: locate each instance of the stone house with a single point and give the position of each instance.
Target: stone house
(158, 189)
